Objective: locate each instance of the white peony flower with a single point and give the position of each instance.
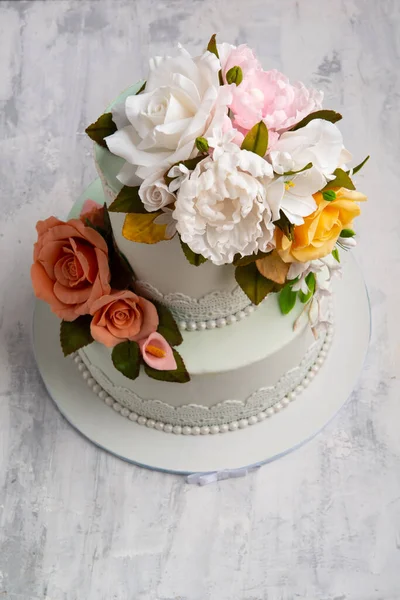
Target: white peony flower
(293, 194)
(154, 192)
(182, 100)
(221, 210)
(320, 143)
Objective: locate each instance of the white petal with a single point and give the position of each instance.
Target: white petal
(127, 175)
(124, 143)
(274, 193)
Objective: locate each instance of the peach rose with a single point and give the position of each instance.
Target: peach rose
(122, 316)
(318, 235)
(157, 353)
(70, 269)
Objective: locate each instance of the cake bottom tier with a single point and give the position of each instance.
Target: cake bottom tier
(217, 399)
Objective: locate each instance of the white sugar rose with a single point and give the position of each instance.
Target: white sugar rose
(181, 101)
(154, 193)
(221, 210)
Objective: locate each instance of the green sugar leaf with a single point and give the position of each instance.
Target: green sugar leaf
(194, 259)
(257, 139)
(167, 326)
(126, 359)
(285, 225)
(103, 127)
(347, 233)
(290, 173)
(202, 145)
(310, 280)
(179, 375)
(75, 334)
(342, 179)
(234, 75)
(287, 299)
(242, 261)
(329, 195)
(360, 166)
(128, 201)
(326, 115)
(335, 254)
(255, 286)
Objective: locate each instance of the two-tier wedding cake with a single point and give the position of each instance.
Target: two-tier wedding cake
(196, 300)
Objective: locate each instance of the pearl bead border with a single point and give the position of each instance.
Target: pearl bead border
(208, 429)
(220, 322)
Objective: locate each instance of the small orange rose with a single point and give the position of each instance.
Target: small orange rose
(122, 316)
(70, 269)
(318, 235)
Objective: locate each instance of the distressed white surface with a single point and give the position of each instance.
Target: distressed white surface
(76, 524)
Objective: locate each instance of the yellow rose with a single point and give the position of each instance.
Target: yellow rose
(318, 234)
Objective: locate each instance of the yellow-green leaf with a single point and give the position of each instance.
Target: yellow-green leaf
(257, 139)
(141, 228)
(234, 75)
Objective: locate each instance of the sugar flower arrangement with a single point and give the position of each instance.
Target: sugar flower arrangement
(245, 167)
(80, 273)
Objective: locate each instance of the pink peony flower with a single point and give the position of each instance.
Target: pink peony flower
(268, 95)
(121, 316)
(265, 95)
(241, 56)
(157, 353)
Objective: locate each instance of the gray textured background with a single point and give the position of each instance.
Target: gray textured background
(76, 524)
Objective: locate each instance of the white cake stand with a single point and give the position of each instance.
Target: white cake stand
(255, 445)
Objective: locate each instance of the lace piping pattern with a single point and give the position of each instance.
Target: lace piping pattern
(230, 410)
(216, 305)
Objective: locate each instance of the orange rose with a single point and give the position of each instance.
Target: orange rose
(319, 233)
(70, 269)
(122, 316)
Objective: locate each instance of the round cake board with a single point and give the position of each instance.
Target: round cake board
(249, 447)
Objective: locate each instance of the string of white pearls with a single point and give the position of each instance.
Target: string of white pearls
(220, 322)
(208, 429)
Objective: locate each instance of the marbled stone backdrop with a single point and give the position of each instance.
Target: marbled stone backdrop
(77, 524)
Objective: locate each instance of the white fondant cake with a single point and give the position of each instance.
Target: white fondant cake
(227, 197)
